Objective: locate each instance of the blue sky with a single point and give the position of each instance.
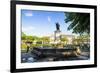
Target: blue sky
(42, 23)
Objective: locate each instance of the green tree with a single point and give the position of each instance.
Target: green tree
(64, 40)
(45, 39)
(29, 38)
(79, 22)
(23, 36)
(81, 39)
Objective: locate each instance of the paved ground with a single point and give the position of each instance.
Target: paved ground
(30, 58)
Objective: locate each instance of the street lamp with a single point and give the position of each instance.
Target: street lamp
(28, 43)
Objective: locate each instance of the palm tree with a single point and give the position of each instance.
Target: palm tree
(79, 22)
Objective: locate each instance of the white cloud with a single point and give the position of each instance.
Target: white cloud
(49, 19)
(28, 14)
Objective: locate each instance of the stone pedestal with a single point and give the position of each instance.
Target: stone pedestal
(57, 36)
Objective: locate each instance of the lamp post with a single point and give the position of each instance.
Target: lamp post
(28, 45)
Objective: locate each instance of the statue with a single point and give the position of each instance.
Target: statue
(57, 26)
(57, 34)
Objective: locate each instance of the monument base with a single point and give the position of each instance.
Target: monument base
(57, 36)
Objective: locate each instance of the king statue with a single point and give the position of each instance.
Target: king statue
(57, 26)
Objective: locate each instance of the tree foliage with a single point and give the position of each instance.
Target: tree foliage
(81, 39)
(23, 36)
(45, 39)
(79, 22)
(64, 39)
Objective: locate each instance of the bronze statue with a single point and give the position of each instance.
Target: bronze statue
(57, 26)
